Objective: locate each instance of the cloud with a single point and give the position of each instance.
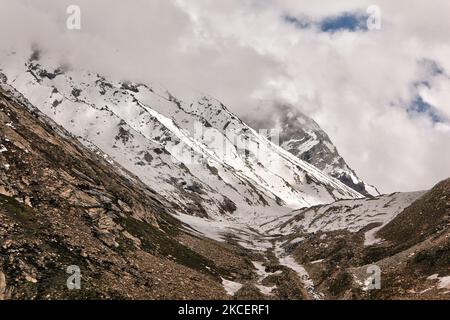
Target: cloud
(361, 87)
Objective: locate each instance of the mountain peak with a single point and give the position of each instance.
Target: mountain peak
(305, 139)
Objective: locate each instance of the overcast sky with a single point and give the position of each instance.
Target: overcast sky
(383, 95)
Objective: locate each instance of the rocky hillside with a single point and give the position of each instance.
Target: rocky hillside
(62, 205)
(409, 243)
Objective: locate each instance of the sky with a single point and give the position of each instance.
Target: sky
(382, 95)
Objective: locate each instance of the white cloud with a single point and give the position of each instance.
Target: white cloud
(438, 94)
(356, 85)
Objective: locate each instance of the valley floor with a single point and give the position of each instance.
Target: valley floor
(328, 252)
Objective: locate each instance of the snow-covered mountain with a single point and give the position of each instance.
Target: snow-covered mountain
(304, 138)
(191, 149)
(350, 215)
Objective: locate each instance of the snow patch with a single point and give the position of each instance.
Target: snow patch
(231, 287)
(289, 261)
(262, 274)
(444, 282)
(11, 125)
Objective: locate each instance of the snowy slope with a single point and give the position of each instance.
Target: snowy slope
(350, 215)
(191, 150)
